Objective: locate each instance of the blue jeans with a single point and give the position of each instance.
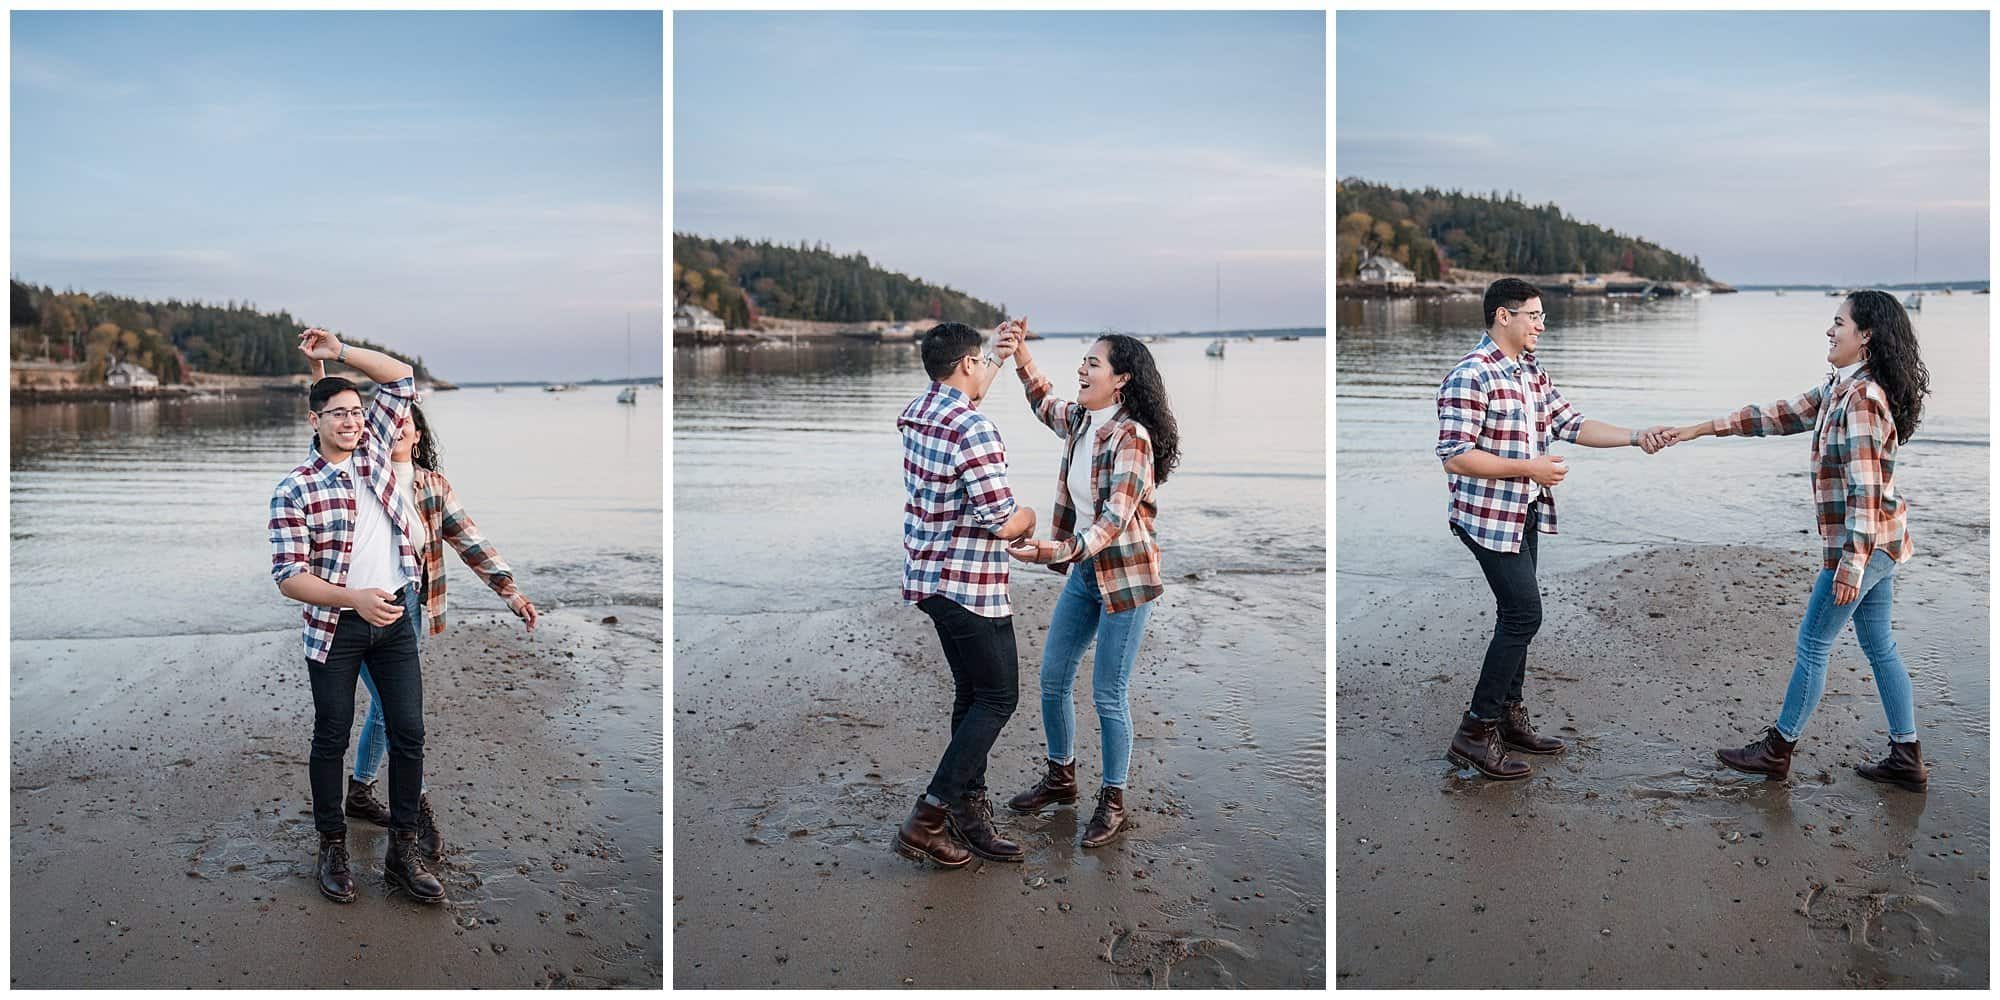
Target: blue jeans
(372, 747)
(1079, 615)
(1822, 625)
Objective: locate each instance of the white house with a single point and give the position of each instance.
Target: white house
(691, 318)
(126, 374)
(1380, 270)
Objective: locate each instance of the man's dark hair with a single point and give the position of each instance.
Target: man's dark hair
(1508, 293)
(327, 388)
(945, 345)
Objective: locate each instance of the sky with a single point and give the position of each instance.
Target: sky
(1089, 171)
(483, 190)
(1792, 147)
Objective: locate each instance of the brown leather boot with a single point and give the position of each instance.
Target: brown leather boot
(406, 870)
(1477, 745)
(972, 821)
(336, 882)
(926, 836)
(362, 803)
(430, 843)
(1517, 734)
(1904, 766)
(1059, 785)
(1770, 756)
(1109, 818)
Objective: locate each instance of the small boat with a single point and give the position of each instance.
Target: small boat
(1834, 293)
(629, 394)
(1288, 338)
(559, 387)
(1214, 349)
(1777, 291)
(1250, 338)
(1914, 302)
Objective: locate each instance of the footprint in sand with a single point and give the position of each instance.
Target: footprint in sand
(1157, 952)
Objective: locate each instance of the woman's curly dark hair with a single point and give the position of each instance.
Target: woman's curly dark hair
(1893, 357)
(1145, 398)
(425, 455)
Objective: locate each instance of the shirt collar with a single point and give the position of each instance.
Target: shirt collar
(1843, 374)
(1492, 350)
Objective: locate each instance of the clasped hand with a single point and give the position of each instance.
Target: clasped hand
(1031, 550)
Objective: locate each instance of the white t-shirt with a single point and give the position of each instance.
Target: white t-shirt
(406, 487)
(375, 560)
(1534, 408)
(1082, 492)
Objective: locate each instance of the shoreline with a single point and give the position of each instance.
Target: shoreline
(162, 835)
(1635, 858)
(803, 738)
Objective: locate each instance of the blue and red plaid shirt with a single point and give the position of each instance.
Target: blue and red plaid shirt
(955, 474)
(1480, 405)
(313, 512)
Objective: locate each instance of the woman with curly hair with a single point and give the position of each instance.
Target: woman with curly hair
(1121, 443)
(1866, 409)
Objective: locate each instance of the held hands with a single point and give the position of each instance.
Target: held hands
(377, 607)
(1654, 439)
(1013, 340)
(319, 345)
(1030, 550)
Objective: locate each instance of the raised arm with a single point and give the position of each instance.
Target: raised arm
(380, 368)
(1054, 412)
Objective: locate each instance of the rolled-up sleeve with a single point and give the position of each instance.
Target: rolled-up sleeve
(982, 472)
(1461, 407)
(291, 544)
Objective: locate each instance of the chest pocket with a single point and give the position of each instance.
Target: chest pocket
(324, 522)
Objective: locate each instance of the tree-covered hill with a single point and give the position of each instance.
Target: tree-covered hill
(739, 280)
(1432, 231)
(169, 338)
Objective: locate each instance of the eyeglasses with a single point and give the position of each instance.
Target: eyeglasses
(348, 413)
(1532, 317)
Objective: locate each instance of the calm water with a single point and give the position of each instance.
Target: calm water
(148, 518)
(788, 491)
(1638, 364)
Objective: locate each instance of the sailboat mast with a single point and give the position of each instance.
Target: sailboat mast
(1218, 296)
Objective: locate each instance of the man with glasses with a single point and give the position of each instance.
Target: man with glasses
(958, 515)
(1497, 414)
(341, 547)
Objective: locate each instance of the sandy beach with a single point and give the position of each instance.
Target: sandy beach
(802, 739)
(1636, 859)
(162, 832)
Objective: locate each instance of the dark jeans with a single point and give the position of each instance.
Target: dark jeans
(986, 674)
(391, 654)
(1518, 618)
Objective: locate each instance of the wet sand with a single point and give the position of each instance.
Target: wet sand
(1637, 859)
(161, 829)
(802, 740)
